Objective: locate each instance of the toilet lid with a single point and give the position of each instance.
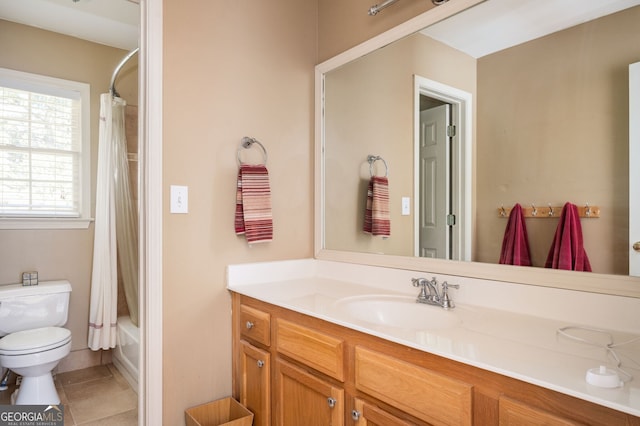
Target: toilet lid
(36, 340)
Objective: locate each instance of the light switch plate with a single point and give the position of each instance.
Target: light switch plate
(179, 199)
(406, 206)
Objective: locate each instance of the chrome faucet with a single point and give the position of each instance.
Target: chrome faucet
(430, 295)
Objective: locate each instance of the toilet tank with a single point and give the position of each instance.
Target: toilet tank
(29, 307)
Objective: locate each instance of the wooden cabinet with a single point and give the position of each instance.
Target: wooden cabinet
(304, 399)
(255, 325)
(255, 380)
(421, 392)
(514, 413)
(309, 365)
(366, 414)
(318, 350)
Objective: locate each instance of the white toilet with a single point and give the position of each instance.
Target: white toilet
(32, 340)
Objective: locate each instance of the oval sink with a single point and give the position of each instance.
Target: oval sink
(397, 311)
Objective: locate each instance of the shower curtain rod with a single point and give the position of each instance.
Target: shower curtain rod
(373, 10)
(112, 86)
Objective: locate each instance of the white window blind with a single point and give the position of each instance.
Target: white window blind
(43, 163)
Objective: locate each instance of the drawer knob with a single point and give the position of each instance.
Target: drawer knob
(331, 402)
(249, 325)
(355, 415)
(260, 363)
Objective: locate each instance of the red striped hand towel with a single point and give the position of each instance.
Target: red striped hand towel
(376, 216)
(253, 204)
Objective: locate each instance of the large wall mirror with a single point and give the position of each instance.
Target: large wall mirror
(533, 102)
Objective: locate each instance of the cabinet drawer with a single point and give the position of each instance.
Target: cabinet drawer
(513, 412)
(422, 393)
(255, 325)
(317, 350)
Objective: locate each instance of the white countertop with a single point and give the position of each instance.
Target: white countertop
(522, 346)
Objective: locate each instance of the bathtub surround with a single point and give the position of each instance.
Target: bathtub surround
(515, 335)
(126, 355)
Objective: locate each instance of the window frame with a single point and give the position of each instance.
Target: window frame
(29, 81)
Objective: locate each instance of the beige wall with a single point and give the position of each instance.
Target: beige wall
(231, 69)
(553, 127)
(370, 110)
(60, 254)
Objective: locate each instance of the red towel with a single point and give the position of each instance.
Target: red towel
(515, 244)
(253, 204)
(376, 215)
(567, 251)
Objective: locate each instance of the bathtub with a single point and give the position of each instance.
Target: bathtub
(127, 351)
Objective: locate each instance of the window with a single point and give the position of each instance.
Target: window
(44, 151)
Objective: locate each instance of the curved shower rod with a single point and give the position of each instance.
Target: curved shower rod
(112, 86)
(373, 10)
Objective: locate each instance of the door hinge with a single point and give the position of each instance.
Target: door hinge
(451, 219)
(451, 131)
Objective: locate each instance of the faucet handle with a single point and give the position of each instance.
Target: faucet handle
(446, 302)
(446, 285)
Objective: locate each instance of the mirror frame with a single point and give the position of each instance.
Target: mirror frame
(616, 285)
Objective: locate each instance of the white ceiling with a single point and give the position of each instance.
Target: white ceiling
(495, 25)
(111, 22)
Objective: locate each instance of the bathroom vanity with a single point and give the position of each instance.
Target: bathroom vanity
(325, 343)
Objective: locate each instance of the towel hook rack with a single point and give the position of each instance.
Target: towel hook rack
(247, 143)
(372, 159)
(587, 211)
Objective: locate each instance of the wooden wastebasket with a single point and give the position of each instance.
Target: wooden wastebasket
(226, 411)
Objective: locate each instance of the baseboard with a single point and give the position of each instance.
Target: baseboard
(84, 358)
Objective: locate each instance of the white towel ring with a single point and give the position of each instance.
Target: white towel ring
(372, 159)
(247, 143)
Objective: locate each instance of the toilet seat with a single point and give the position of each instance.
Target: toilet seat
(34, 341)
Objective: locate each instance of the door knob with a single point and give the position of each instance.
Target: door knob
(249, 325)
(636, 246)
(260, 363)
(331, 402)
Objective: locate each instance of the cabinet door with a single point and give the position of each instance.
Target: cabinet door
(303, 399)
(254, 382)
(365, 414)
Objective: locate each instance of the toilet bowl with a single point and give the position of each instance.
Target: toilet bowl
(33, 354)
(32, 339)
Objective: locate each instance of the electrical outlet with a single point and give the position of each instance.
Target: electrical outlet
(179, 199)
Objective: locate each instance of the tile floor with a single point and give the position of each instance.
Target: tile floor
(93, 396)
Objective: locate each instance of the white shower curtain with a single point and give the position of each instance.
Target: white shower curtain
(113, 204)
